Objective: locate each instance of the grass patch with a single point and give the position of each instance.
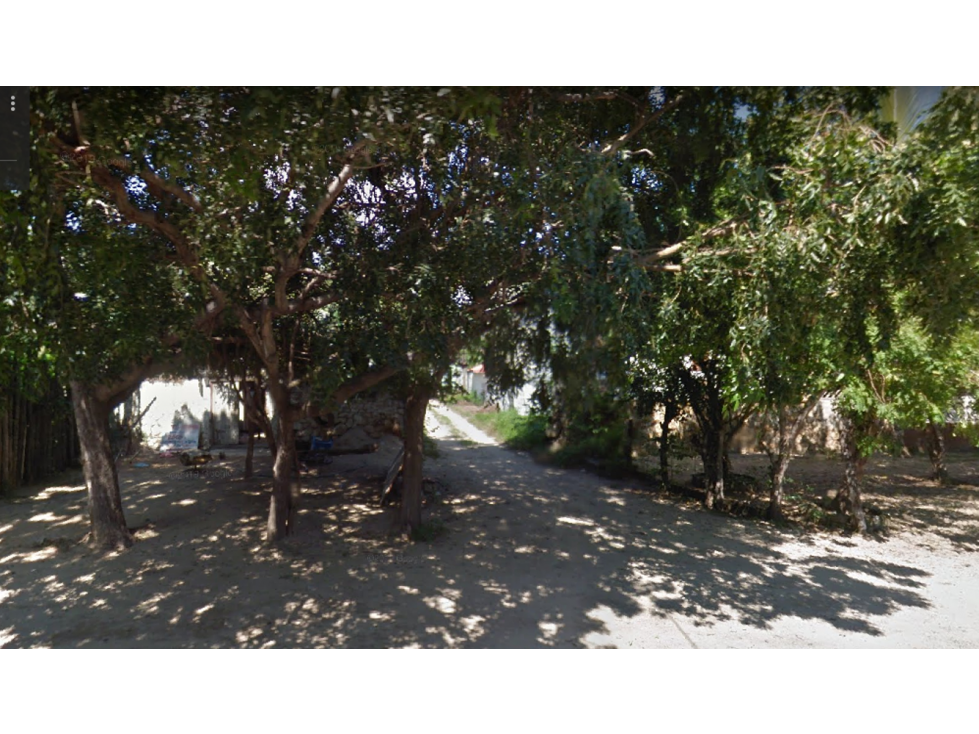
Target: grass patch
(523, 432)
(603, 449)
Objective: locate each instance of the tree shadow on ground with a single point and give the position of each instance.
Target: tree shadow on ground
(904, 488)
(900, 486)
(530, 556)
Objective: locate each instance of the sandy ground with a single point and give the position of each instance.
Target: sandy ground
(528, 556)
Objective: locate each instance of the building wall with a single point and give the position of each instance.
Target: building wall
(520, 400)
(474, 382)
(184, 402)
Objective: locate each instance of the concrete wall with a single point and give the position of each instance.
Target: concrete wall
(520, 400)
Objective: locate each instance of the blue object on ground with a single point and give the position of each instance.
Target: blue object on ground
(320, 444)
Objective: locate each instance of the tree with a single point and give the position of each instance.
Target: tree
(928, 279)
(461, 228)
(36, 430)
(678, 247)
(921, 380)
(248, 192)
(93, 299)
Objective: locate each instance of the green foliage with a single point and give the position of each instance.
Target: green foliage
(603, 448)
(522, 432)
(84, 295)
(917, 379)
(731, 248)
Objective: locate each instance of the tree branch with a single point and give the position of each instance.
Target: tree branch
(333, 191)
(115, 392)
(158, 187)
(650, 259)
(114, 186)
(606, 95)
(613, 147)
(363, 382)
(289, 264)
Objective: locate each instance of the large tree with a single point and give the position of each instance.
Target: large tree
(243, 192)
(93, 297)
(688, 180)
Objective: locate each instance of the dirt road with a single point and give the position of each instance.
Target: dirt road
(528, 556)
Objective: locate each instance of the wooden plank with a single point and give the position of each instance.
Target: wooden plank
(392, 474)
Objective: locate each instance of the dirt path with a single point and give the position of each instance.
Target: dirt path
(529, 556)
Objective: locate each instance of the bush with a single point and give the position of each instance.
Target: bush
(522, 432)
(604, 450)
(596, 436)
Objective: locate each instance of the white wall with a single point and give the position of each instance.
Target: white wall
(520, 400)
(187, 401)
(474, 382)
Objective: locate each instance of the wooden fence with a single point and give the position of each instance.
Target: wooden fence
(37, 436)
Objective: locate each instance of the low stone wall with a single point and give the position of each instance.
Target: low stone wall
(820, 434)
(377, 414)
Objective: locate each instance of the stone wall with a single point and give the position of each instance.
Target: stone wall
(820, 434)
(376, 414)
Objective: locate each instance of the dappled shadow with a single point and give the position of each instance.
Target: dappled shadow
(904, 488)
(529, 556)
(899, 486)
(662, 558)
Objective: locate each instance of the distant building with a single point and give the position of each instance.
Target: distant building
(474, 380)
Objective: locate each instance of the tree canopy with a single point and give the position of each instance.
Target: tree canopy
(738, 250)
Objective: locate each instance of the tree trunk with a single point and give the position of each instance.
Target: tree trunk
(108, 524)
(778, 462)
(285, 489)
(707, 403)
(249, 456)
(411, 494)
(670, 412)
(936, 452)
(848, 501)
(713, 458)
(778, 467)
